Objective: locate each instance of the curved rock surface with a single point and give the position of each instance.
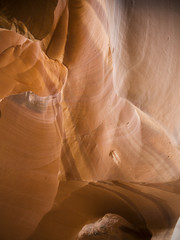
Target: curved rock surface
(89, 116)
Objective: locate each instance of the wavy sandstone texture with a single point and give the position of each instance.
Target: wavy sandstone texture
(89, 119)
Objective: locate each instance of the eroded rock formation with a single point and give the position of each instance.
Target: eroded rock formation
(89, 119)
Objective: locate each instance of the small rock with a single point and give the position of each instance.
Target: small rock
(111, 227)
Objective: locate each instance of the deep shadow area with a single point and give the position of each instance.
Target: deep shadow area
(36, 15)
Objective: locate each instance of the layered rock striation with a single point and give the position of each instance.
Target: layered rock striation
(89, 119)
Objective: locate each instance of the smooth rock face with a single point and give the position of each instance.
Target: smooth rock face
(89, 117)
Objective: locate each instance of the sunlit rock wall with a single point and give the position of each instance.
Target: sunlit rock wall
(89, 119)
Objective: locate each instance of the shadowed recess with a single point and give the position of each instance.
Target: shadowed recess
(38, 15)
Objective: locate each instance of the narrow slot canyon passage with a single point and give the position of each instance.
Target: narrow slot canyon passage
(89, 119)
